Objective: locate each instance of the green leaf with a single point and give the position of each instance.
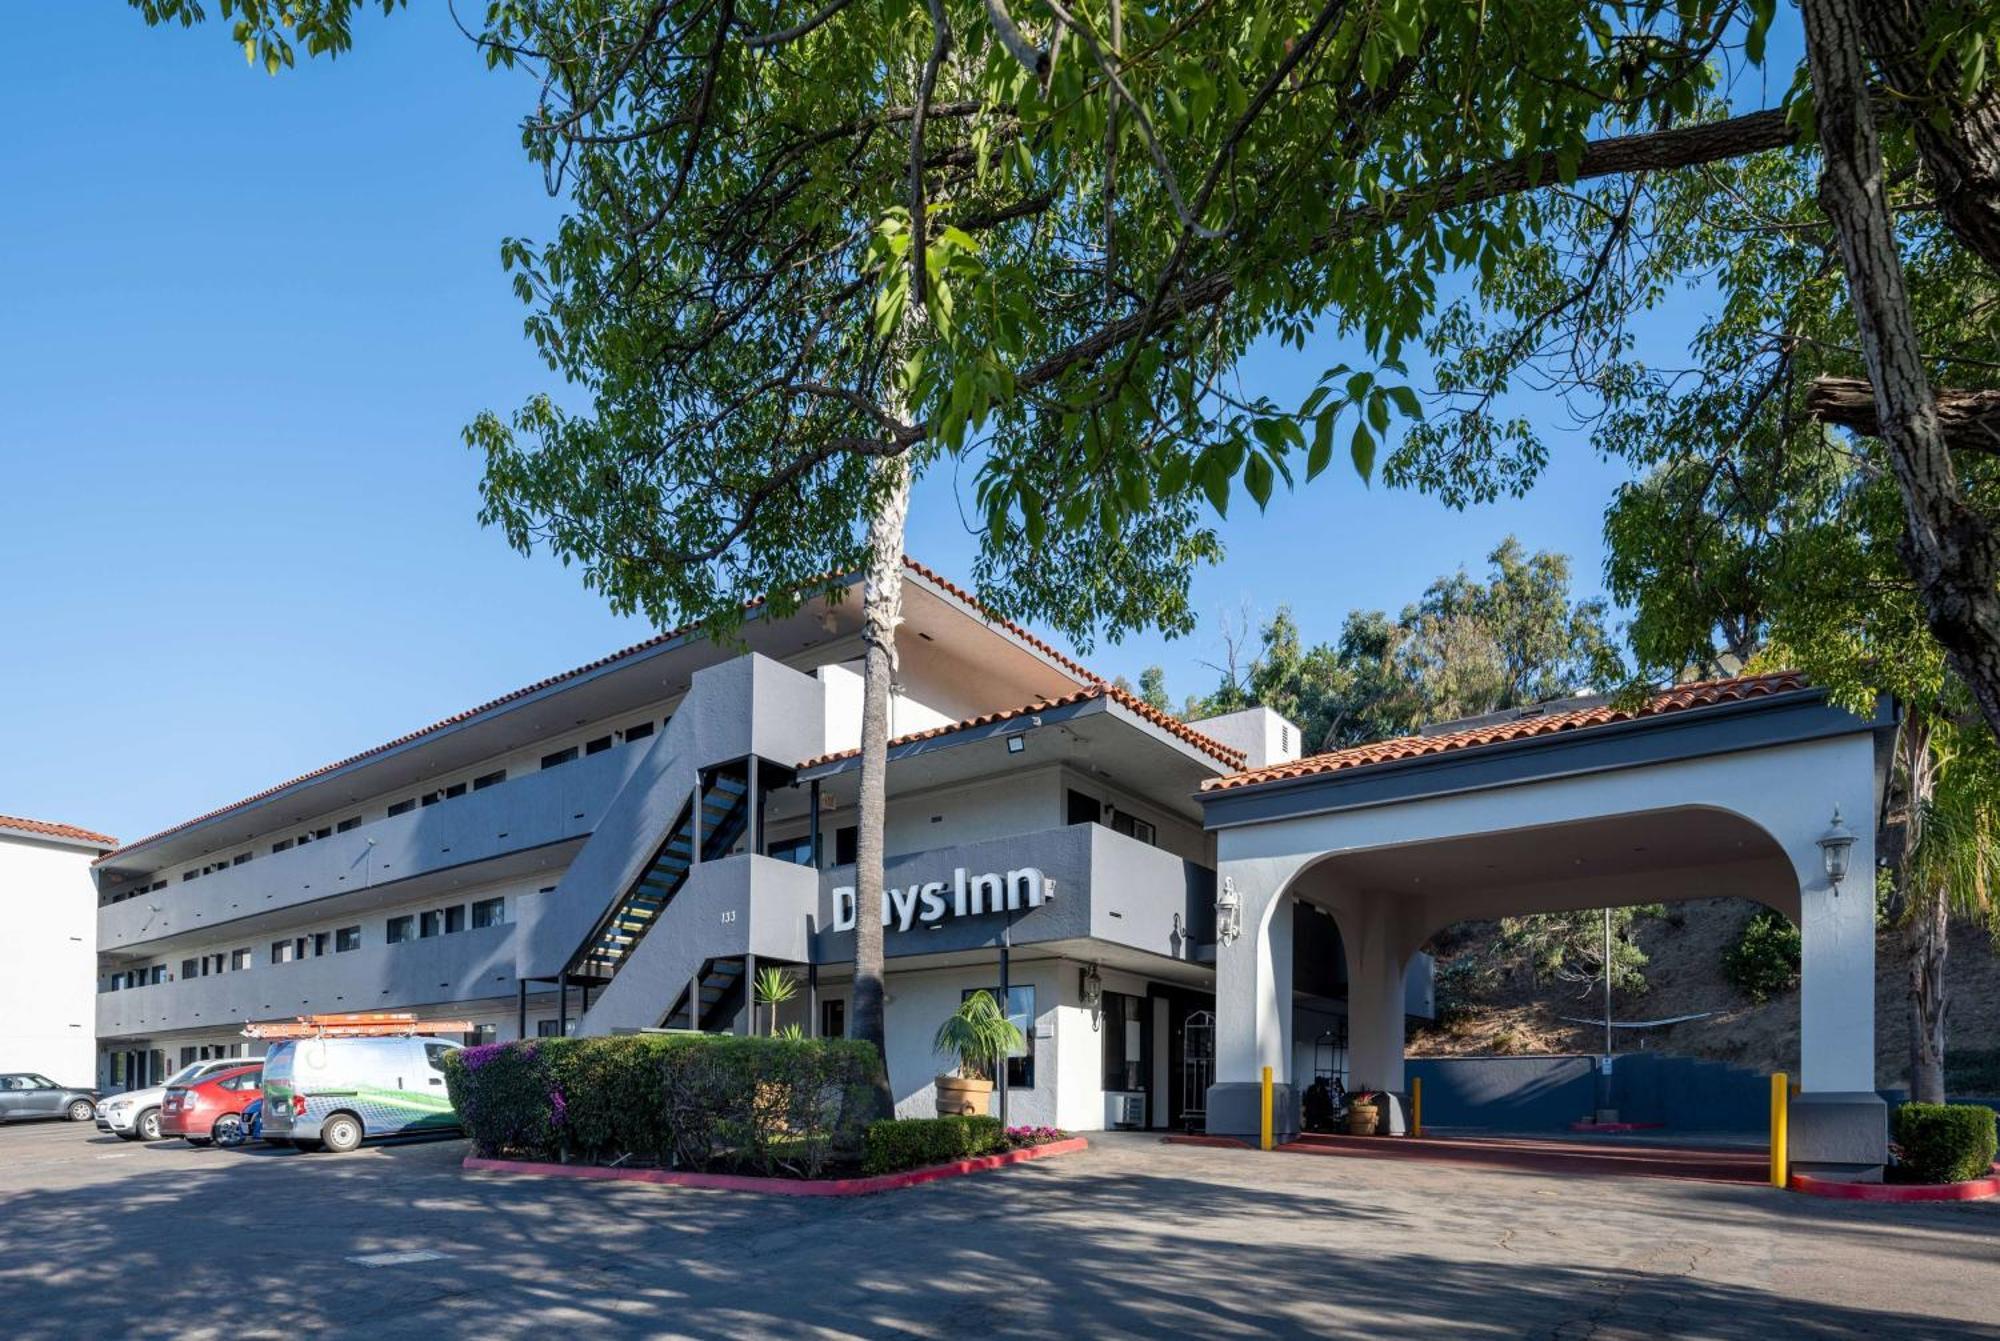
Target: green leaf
(1363, 451)
(1321, 453)
(1257, 478)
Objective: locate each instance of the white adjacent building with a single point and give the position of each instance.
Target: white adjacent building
(48, 952)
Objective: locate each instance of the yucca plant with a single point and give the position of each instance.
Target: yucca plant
(978, 1034)
(775, 986)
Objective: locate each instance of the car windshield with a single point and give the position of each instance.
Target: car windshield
(184, 1075)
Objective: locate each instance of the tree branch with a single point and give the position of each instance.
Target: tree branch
(1970, 419)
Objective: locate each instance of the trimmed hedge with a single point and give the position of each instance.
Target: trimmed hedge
(896, 1144)
(698, 1101)
(1944, 1143)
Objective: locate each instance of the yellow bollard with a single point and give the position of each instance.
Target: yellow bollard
(1780, 1114)
(1416, 1105)
(1264, 1141)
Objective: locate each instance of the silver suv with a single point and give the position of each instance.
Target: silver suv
(135, 1114)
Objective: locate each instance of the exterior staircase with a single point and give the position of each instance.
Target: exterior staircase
(722, 993)
(724, 811)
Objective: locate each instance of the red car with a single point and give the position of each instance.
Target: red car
(191, 1110)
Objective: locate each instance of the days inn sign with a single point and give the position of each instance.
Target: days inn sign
(930, 902)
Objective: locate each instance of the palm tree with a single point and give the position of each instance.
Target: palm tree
(1951, 865)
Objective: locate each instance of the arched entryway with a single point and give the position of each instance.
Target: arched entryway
(1725, 801)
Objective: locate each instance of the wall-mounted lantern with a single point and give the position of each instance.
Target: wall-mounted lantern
(1834, 847)
(1092, 987)
(1228, 912)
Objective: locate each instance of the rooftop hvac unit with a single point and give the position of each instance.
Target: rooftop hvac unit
(1124, 1109)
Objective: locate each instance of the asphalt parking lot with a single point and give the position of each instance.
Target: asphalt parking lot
(102, 1237)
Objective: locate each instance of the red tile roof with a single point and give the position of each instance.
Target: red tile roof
(48, 830)
(928, 574)
(1133, 704)
(1680, 698)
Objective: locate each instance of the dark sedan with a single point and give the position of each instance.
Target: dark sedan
(26, 1095)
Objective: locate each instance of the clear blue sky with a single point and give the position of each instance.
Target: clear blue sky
(242, 321)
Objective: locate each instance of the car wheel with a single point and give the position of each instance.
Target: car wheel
(341, 1133)
(82, 1110)
(148, 1125)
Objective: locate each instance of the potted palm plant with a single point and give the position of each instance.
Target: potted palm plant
(978, 1035)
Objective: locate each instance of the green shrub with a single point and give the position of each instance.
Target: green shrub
(1765, 959)
(768, 1105)
(913, 1143)
(1944, 1143)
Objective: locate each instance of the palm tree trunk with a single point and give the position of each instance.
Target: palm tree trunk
(881, 612)
(1925, 935)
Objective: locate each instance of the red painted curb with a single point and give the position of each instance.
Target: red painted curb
(780, 1187)
(1975, 1189)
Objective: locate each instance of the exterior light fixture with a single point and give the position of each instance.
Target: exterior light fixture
(1228, 912)
(1834, 846)
(1017, 743)
(1092, 987)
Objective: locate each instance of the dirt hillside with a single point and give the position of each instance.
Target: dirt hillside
(1685, 948)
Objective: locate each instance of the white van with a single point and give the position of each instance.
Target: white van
(337, 1092)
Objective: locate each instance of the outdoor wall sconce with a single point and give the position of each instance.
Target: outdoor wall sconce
(1092, 987)
(1834, 846)
(1228, 912)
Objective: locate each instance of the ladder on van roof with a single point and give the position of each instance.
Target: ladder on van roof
(356, 1024)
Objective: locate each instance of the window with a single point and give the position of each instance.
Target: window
(559, 757)
(598, 746)
(156, 975)
(432, 798)
(402, 807)
(454, 918)
(351, 822)
(485, 780)
(239, 959)
(347, 938)
(400, 929)
(327, 832)
(240, 858)
(833, 1019)
(281, 845)
(638, 731)
(1083, 808)
(304, 838)
(1021, 1010)
(798, 850)
(190, 875)
(845, 845)
(190, 968)
(1133, 827)
(456, 790)
(283, 952)
(429, 924)
(319, 943)
(481, 1034)
(548, 1029)
(489, 913)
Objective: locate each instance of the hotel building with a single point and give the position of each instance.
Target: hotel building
(623, 845)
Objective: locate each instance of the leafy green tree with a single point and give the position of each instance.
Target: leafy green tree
(1569, 947)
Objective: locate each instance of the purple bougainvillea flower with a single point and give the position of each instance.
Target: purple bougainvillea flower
(558, 1108)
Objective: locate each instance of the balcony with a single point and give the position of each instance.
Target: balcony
(383, 859)
(464, 966)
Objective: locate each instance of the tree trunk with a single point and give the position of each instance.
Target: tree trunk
(1960, 148)
(1948, 549)
(881, 612)
(1926, 931)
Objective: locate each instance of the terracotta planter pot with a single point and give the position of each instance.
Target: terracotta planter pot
(959, 1097)
(1362, 1119)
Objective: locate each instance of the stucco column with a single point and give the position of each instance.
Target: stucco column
(1378, 934)
(1253, 1000)
(1839, 1124)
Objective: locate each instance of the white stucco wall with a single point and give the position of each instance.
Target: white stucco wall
(48, 960)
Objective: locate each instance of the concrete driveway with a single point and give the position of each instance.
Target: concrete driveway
(1132, 1238)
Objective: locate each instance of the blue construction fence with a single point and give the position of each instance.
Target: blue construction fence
(1551, 1092)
